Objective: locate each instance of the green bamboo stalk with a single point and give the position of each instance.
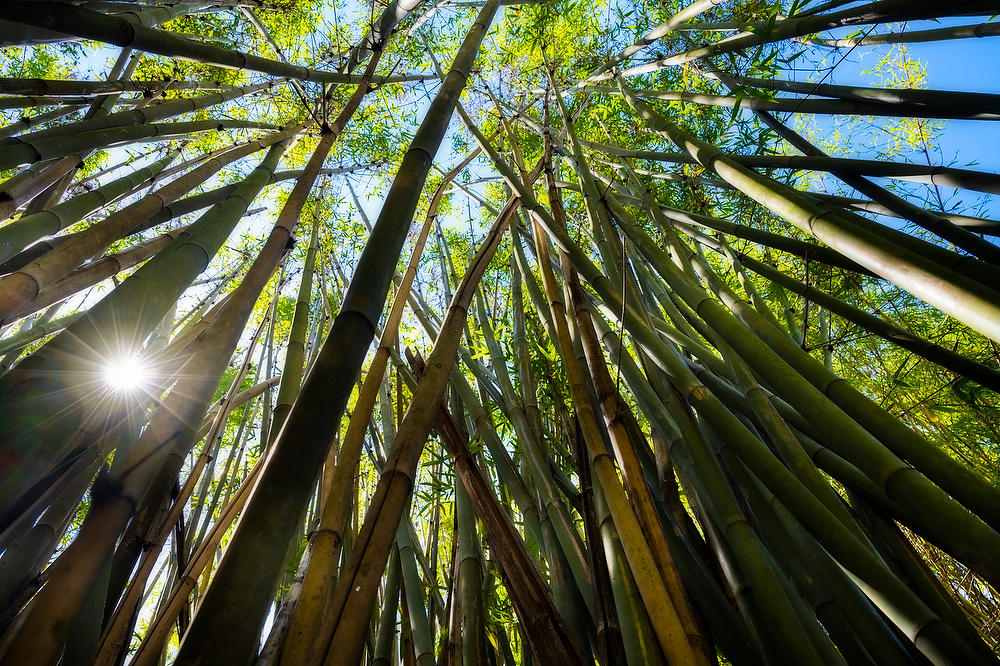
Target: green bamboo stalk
(59, 87)
(945, 99)
(813, 106)
(26, 121)
(883, 11)
(59, 146)
(300, 449)
(921, 173)
(946, 358)
(73, 20)
(19, 234)
(19, 287)
(39, 330)
(911, 36)
(141, 116)
(382, 655)
(291, 374)
(954, 294)
(112, 327)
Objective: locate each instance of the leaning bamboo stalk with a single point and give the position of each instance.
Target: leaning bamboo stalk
(967, 301)
(94, 272)
(28, 228)
(910, 36)
(661, 607)
(327, 540)
(140, 116)
(421, 634)
(811, 106)
(302, 446)
(544, 628)
(20, 286)
(84, 142)
(58, 87)
(930, 636)
(26, 121)
(22, 338)
(111, 29)
(291, 375)
(32, 180)
(981, 181)
(339, 639)
(132, 310)
(764, 32)
(946, 99)
(897, 335)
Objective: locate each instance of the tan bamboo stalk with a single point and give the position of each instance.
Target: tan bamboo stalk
(22, 285)
(304, 442)
(165, 441)
(32, 180)
(94, 272)
(341, 634)
(159, 630)
(661, 607)
(327, 539)
(544, 628)
(635, 483)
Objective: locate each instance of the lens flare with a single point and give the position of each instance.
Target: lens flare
(125, 374)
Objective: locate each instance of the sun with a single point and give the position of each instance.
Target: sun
(126, 373)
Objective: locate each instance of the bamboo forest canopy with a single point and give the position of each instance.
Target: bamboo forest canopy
(499, 332)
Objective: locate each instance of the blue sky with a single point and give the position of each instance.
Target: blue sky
(965, 65)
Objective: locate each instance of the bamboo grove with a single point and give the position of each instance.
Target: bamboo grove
(497, 332)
